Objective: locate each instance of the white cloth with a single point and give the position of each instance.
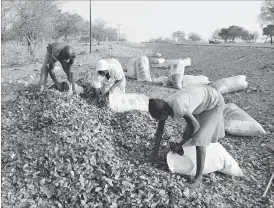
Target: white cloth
(196, 99)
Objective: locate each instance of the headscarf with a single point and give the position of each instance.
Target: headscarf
(155, 107)
(102, 65)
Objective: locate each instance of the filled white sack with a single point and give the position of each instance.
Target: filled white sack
(157, 61)
(230, 84)
(131, 68)
(142, 69)
(239, 123)
(189, 80)
(121, 102)
(176, 74)
(217, 159)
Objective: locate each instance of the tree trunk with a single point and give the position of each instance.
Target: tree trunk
(270, 39)
(3, 48)
(30, 49)
(30, 46)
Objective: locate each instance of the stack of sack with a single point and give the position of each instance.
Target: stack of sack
(138, 68)
(176, 77)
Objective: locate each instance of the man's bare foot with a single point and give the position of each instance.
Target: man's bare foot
(195, 182)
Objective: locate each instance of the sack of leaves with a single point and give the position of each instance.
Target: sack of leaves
(175, 77)
(230, 84)
(239, 123)
(217, 159)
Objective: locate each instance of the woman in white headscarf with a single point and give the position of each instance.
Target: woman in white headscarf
(109, 77)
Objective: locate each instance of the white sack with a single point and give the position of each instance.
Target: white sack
(189, 80)
(230, 84)
(176, 74)
(239, 123)
(142, 69)
(121, 102)
(217, 159)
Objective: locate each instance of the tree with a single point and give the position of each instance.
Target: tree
(35, 20)
(194, 36)
(98, 29)
(249, 36)
(69, 24)
(111, 33)
(255, 35)
(267, 13)
(224, 34)
(235, 31)
(215, 34)
(179, 35)
(269, 32)
(8, 15)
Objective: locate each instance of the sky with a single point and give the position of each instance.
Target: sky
(143, 20)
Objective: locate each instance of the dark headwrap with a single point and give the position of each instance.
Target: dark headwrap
(155, 106)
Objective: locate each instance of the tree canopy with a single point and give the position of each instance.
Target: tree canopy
(267, 13)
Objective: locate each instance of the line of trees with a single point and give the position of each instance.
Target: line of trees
(34, 22)
(233, 32)
(266, 20)
(176, 36)
(180, 35)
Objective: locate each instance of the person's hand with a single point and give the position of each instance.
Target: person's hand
(111, 90)
(179, 149)
(59, 87)
(95, 101)
(153, 158)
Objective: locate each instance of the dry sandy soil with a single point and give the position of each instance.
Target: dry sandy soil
(128, 137)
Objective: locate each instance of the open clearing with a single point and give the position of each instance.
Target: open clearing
(62, 152)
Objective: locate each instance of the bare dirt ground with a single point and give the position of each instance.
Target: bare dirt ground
(46, 157)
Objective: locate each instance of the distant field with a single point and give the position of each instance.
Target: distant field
(258, 45)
